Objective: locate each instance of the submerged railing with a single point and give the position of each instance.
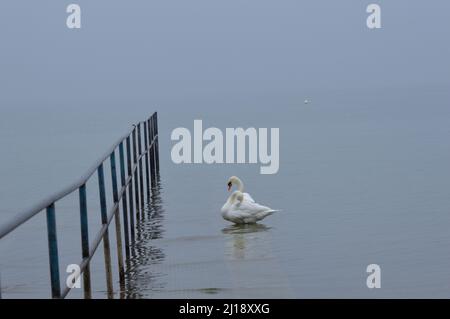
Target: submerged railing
(131, 180)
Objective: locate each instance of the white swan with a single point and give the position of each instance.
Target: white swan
(239, 211)
(240, 186)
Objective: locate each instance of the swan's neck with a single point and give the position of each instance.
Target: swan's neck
(230, 199)
(239, 185)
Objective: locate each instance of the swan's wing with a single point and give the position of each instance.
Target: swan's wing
(247, 209)
(248, 198)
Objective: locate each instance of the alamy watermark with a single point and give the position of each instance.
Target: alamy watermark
(73, 21)
(374, 278)
(373, 21)
(241, 146)
(73, 279)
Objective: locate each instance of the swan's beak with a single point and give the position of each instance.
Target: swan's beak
(229, 186)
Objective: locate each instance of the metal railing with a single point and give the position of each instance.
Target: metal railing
(132, 204)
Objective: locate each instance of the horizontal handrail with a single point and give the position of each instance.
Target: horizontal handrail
(135, 160)
(25, 215)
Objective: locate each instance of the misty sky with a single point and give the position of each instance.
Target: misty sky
(154, 51)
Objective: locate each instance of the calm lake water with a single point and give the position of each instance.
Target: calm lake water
(364, 178)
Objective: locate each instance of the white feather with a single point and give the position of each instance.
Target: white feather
(238, 209)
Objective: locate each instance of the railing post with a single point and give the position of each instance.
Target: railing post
(124, 200)
(53, 251)
(152, 151)
(141, 176)
(104, 215)
(130, 189)
(147, 176)
(117, 220)
(136, 182)
(156, 142)
(85, 241)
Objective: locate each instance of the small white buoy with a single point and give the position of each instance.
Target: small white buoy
(306, 101)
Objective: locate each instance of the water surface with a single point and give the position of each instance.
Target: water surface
(363, 179)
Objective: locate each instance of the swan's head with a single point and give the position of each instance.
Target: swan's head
(232, 181)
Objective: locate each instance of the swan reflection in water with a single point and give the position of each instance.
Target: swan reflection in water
(247, 240)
